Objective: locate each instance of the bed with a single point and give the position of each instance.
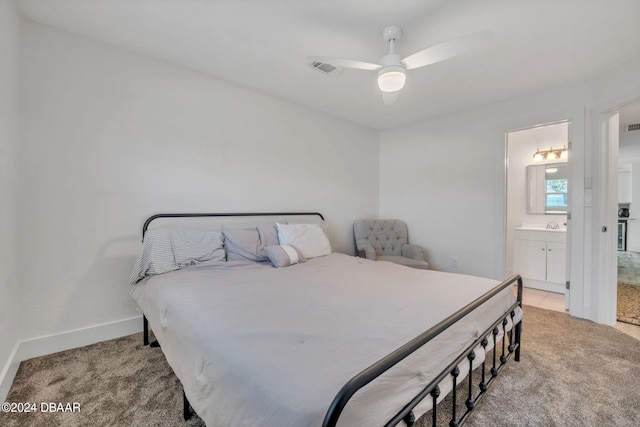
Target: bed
(335, 340)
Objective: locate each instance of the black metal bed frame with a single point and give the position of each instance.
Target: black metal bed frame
(386, 363)
(369, 374)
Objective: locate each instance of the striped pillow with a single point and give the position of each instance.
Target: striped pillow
(168, 249)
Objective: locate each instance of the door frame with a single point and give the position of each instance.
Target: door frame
(576, 174)
(605, 248)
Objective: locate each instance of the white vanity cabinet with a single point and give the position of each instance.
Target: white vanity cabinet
(540, 258)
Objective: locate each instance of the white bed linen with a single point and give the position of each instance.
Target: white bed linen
(255, 345)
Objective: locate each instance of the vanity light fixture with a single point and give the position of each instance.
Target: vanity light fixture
(538, 157)
(551, 154)
(564, 154)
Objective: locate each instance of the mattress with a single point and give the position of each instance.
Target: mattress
(255, 345)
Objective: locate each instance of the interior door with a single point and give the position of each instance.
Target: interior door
(570, 197)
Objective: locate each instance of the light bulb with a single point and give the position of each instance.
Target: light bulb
(537, 157)
(391, 78)
(564, 154)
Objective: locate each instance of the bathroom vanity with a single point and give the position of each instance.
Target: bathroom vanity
(540, 257)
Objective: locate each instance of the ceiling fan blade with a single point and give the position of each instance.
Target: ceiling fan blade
(390, 98)
(346, 63)
(446, 50)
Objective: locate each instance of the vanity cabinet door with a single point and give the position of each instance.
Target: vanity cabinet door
(556, 261)
(530, 259)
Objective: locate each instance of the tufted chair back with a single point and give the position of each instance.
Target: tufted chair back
(387, 240)
(387, 236)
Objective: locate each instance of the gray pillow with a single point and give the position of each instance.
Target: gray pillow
(284, 256)
(243, 244)
(268, 236)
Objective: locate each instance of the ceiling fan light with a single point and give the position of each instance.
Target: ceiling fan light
(391, 78)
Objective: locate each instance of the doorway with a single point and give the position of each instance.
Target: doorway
(537, 204)
(628, 236)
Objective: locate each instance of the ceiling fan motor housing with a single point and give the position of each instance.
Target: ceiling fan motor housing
(392, 32)
(392, 73)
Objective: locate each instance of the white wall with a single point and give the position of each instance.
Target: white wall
(446, 176)
(109, 138)
(618, 86)
(9, 23)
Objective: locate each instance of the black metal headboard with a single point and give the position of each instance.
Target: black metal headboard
(217, 214)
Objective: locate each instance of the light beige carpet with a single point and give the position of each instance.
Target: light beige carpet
(628, 287)
(572, 373)
(628, 310)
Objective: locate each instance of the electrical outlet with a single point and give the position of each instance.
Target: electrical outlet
(454, 262)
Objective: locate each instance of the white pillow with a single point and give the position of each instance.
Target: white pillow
(310, 239)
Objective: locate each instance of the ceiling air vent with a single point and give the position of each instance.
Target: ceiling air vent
(324, 68)
(633, 126)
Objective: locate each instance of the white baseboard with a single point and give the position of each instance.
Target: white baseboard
(36, 347)
(8, 373)
(544, 286)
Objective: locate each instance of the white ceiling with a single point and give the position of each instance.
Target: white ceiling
(630, 115)
(262, 45)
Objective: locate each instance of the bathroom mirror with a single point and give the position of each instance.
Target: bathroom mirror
(547, 188)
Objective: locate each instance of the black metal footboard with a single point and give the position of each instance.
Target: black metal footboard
(406, 414)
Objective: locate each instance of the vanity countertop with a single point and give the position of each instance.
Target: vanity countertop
(538, 233)
(550, 230)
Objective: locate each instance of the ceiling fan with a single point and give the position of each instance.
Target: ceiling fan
(392, 70)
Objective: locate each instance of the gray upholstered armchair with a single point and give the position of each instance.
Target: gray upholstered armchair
(387, 239)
